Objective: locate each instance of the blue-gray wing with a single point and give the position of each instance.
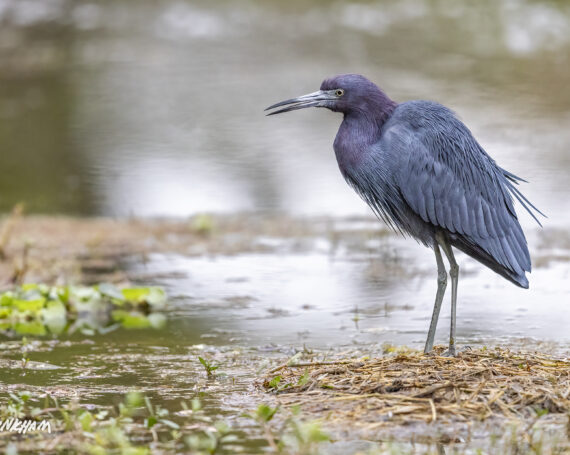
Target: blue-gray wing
(450, 182)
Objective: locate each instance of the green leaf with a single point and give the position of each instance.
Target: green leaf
(157, 298)
(6, 299)
(208, 366)
(274, 383)
(54, 316)
(295, 358)
(135, 321)
(84, 294)
(131, 320)
(170, 423)
(119, 315)
(149, 405)
(29, 305)
(87, 331)
(203, 224)
(29, 286)
(314, 433)
(134, 399)
(222, 427)
(63, 293)
(265, 413)
(150, 422)
(135, 295)
(196, 405)
(154, 296)
(5, 312)
(86, 419)
(303, 379)
(30, 328)
(229, 438)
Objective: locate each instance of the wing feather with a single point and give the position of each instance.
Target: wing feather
(450, 182)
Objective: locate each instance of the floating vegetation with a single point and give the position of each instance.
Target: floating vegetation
(412, 387)
(38, 309)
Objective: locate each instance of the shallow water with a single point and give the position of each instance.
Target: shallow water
(333, 295)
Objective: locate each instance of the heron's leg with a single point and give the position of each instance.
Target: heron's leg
(454, 274)
(441, 285)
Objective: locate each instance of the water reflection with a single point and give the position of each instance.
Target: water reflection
(152, 108)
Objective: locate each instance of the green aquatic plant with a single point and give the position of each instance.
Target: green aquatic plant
(303, 436)
(135, 427)
(211, 440)
(203, 224)
(294, 435)
(17, 406)
(208, 366)
(38, 309)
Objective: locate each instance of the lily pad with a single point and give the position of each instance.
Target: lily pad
(29, 305)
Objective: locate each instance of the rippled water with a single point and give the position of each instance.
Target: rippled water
(153, 108)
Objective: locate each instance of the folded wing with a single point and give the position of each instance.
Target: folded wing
(449, 181)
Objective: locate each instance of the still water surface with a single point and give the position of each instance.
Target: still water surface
(156, 108)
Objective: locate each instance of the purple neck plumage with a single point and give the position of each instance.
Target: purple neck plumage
(361, 128)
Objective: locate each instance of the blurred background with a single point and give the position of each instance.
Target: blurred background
(155, 108)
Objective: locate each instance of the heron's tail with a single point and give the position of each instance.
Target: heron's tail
(476, 252)
(513, 180)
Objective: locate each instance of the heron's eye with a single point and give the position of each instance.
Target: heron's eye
(339, 92)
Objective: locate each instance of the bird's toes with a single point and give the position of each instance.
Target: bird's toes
(453, 351)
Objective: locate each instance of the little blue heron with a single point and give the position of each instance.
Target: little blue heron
(423, 173)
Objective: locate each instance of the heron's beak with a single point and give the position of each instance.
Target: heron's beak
(321, 98)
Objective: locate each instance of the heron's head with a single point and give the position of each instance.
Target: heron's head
(347, 93)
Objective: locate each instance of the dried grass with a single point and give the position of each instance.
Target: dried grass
(409, 387)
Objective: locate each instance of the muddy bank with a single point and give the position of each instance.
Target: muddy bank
(74, 249)
(83, 249)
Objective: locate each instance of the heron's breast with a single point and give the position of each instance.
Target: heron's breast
(352, 154)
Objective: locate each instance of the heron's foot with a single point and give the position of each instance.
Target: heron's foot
(453, 351)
